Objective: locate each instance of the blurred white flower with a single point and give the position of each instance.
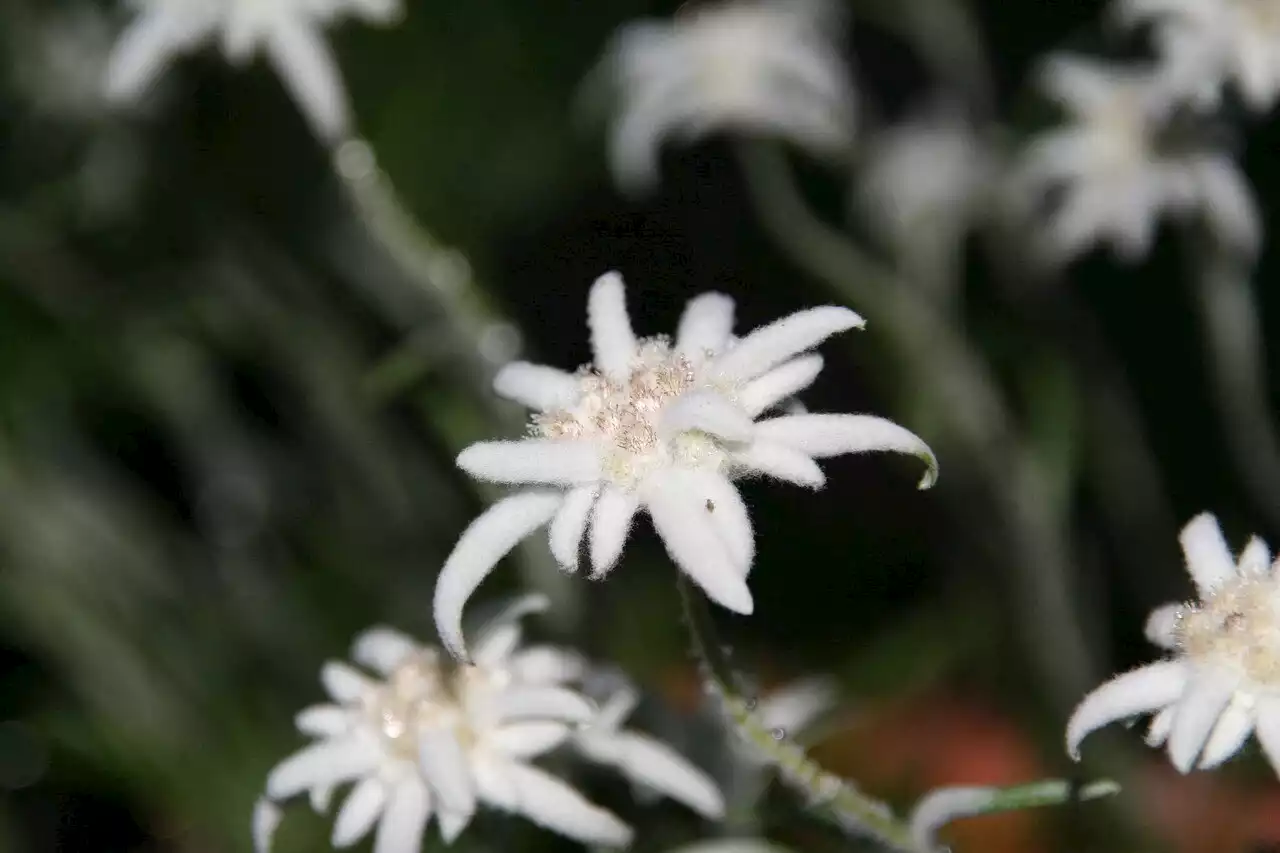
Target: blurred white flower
(664, 428)
(427, 737)
(287, 31)
(1119, 167)
(1222, 679)
(922, 185)
(770, 66)
(1207, 43)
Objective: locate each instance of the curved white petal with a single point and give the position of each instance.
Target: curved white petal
(322, 764)
(781, 462)
(536, 386)
(570, 525)
(612, 341)
(444, 766)
(723, 508)
(499, 636)
(140, 54)
(832, 435)
(610, 527)
(528, 740)
(1228, 736)
(707, 411)
(705, 327)
(795, 706)
(550, 803)
(1135, 692)
(651, 763)
(544, 702)
(359, 812)
(680, 520)
(382, 649)
(940, 808)
(1255, 558)
(1205, 699)
(266, 820)
(1161, 725)
(488, 539)
(319, 797)
(404, 820)
(322, 720)
(1162, 625)
(309, 71)
(783, 381)
(1267, 720)
(565, 462)
(546, 665)
(452, 824)
(782, 339)
(1209, 560)
(1229, 206)
(344, 683)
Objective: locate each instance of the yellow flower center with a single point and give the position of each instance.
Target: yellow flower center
(1237, 625)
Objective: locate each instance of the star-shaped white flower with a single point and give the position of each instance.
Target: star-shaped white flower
(664, 428)
(1207, 43)
(1222, 679)
(769, 66)
(1119, 168)
(427, 737)
(287, 31)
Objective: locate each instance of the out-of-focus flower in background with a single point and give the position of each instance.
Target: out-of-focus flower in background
(287, 31)
(1209, 43)
(664, 428)
(746, 65)
(1223, 679)
(1125, 159)
(429, 737)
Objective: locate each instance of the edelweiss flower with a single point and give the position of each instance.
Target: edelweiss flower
(288, 31)
(1208, 42)
(755, 65)
(662, 427)
(1122, 164)
(429, 737)
(1223, 678)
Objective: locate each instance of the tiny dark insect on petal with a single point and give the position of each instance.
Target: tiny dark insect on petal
(711, 505)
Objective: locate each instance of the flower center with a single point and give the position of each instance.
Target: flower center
(1237, 625)
(625, 416)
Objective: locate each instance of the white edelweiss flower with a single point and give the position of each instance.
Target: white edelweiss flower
(1207, 43)
(769, 66)
(664, 428)
(429, 737)
(1222, 680)
(287, 31)
(1120, 165)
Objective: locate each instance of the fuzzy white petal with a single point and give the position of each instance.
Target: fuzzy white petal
(795, 706)
(614, 712)
(532, 460)
(404, 820)
(655, 765)
(1232, 730)
(359, 812)
(499, 636)
(612, 340)
(1161, 725)
(708, 411)
(1255, 558)
(1162, 626)
(444, 766)
(570, 525)
(680, 520)
(723, 507)
(452, 824)
(344, 683)
(496, 646)
(1202, 704)
(310, 73)
(141, 53)
(783, 381)
(550, 803)
(266, 820)
(832, 435)
(536, 386)
(1209, 560)
(319, 797)
(546, 665)
(1135, 692)
(610, 526)
(488, 539)
(706, 326)
(322, 720)
(1230, 208)
(782, 339)
(940, 808)
(528, 740)
(322, 764)
(781, 462)
(382, 649)
(543, 703)
(1267, 721)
